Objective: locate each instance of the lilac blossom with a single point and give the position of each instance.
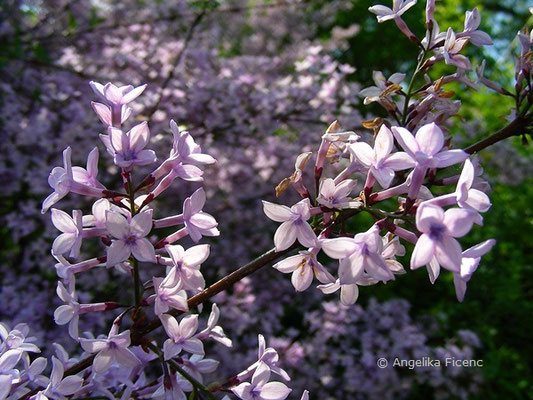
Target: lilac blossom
(333, 195)
(63, 181)
(174, 388)
(127, 149)
(181, 335)
(357, 255)
(425, 149)
(185, 157)
(169, 293)
(472, 22)
(196, 365)
(186, 264)
(260, 388)
(469, 262)
(398, 8)
(130, 238)
(114, 348)
(303, 266)
(294, 224)
(197, 222)
(381, 163)
(378, 92)
(439, 230)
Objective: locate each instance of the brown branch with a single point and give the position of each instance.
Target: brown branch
(516, 128)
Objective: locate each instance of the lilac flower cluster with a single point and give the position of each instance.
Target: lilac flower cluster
(319, 222)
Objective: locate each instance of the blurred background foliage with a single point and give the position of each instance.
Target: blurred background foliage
(499, 302)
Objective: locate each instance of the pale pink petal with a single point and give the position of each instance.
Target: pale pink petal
(63, 243)
(276, 212)
(479, 249)
(103, 112)
(449, 157)
(112, 93)
(399, 161)
(194, 346)
(197, 200)
(433, 269)
(175, 252)
(203, 220)
(339, 247)
(285, 236)
(63, 314)
(188, 326)
(143, 250)
(126, 357)
(351, 269)
(459, 221)
(430, 139)
(69, 385)
(305, 234)
(363, 153)
(145, 157)
(63, 221)
(478, 200)
(460, 287)
(261, 375)
(139, 136)
(428, 215)
(116, 224)
(448, 253)
(384, 142)
(275, 391)
(103, 361)
(383, 175)
(93, 345)
(171, 349)
(349, 294)
(289, 264)
(302, 277)
(117, 252)
(133, 94)
(170, 325)
(141, 224)
(196, 255)
(423, 251)
(406, 140)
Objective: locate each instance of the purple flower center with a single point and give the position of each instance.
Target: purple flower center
(130, 240)
(436, 231)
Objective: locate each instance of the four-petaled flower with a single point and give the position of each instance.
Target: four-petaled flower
(197, 222)
(112, 348)
(130, 234)
(127, 148)
(336, 196)
(186, 264)
(439, 230)
(294, 224)
(357, 255)
(303, 266)
(181, 335)
(169, 293)
(379, 160)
